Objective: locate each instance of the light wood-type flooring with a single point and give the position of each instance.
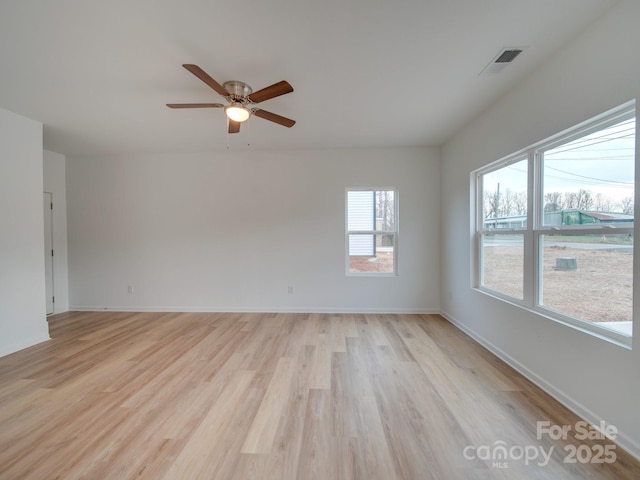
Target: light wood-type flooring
(277, 396)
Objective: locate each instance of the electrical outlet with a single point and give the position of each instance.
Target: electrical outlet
(130, 289)
(290, 289)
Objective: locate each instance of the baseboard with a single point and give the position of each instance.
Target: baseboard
(622, 440)
(397, 311)
(15, 347)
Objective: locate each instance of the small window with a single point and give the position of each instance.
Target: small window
(372, 231)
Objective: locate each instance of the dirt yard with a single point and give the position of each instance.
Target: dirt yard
(383, 262)
(599, 290)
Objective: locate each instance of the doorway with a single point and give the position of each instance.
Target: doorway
(48, 250)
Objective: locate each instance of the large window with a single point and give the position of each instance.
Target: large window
(371, 231)
(555, 223)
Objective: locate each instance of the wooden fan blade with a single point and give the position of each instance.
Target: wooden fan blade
(204, 76)
(195, 105)
(234, 127)
(272, 117)
(271, 91)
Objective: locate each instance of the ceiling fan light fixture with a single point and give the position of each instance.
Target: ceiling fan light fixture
(237, 112)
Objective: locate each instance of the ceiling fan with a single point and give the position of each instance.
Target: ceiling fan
(241, 100)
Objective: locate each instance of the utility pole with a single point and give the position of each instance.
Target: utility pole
(497, 206)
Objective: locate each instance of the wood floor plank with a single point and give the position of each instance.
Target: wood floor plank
(456, 346)
(282, 396)
(282, 461)
(265, 424)
(319, 451)
(209, 436)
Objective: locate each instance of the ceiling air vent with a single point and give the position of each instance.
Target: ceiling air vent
(507, 56)
(500, 61)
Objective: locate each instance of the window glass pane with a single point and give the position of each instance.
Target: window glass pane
(372, 210)
(589, 277)
(385, 211)
(503, 263)
(361, 210)
(591, 180)
(505, 196)
(371, 253)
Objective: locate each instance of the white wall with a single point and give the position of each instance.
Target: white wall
(55, 183)
(22, 294)
(232, 230)
(598, 71)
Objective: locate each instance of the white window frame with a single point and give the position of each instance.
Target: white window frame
(480, 230)
(535, 226)
(393, 233)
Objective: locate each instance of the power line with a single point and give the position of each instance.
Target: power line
(603, 180)
(590, 141)
(613, 158)
(598, 181)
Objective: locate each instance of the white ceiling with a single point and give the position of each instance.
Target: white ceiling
(366, 73)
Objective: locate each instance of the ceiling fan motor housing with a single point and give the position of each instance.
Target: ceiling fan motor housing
(237, 89)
